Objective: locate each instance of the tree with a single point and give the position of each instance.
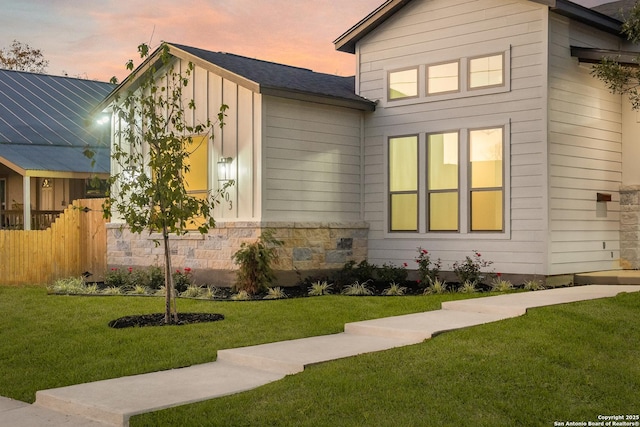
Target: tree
(151, 151)
(22, 57)
(623, 78)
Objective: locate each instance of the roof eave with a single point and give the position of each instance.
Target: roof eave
(595, 56)
(347, 41)
(362, 105)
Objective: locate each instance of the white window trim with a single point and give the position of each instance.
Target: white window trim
(464, 187)
(419, 83)
(463, 91)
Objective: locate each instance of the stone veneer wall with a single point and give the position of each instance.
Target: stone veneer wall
(629, 227)
(309, 248)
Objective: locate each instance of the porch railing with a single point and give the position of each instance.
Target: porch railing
(40, 220)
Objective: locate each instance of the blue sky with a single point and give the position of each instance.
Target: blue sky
(94, 38)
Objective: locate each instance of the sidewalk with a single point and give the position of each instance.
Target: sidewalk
(112, 402)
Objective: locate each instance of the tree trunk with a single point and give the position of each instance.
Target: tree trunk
(168, 281)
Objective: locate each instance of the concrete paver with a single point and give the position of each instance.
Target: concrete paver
(113, 402)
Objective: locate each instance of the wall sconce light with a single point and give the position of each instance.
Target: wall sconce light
(224, 169)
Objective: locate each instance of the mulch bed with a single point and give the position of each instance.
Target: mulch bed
(157, 319)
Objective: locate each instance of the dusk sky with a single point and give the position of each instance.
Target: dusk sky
(94, 38)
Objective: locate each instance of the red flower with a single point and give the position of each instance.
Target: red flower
(424, 251)
(404, 264)
(478, 254)
(178, 271)
(498, 274)
(130, 269)
(187, 269)
(114, 269)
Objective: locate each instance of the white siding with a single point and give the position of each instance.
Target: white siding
(312, 162)
(432, 31)
(585, 155)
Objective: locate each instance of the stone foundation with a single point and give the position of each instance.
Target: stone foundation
(309, 249)
(629, 227)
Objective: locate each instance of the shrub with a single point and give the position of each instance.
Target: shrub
(357, 289)
(210, 292)
(351, 272)
(117, 278)
(241, 296)
(112, 290)
(389, 273)
(470, 269)
(533, 285)
(138, 290)
(437, 287)
(182, 280)
(467, 288)
(69, 285)
(156, 277)
(501, 285)
(395, 290)
(427, 269)
(255, 261)
(275, 293)
(192, 291)
(319, 288)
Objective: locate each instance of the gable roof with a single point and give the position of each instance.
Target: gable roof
(268, 78)
(44, 124)
(347, 41)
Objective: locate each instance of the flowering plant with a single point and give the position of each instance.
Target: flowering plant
(470, 269)
(182, 279)
(390, 273)
(427, 269)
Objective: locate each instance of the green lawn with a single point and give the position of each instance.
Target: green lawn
(49, 341)
(566, 363)
(563, 363)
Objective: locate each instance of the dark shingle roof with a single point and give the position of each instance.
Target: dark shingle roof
(271, 75)
(40, 113)
(615, 9)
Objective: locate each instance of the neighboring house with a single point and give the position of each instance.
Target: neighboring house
(43, 135)
(471, 127)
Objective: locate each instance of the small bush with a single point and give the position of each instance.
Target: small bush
(275, 293)
(389, 273)
(427, 269)
(395, 290)
(533, 285)
(112, 290)
(182, 280)
(139, 290)
(210, 292)
(192, 291)
(357, 289)
(156, 277)
(467, 288)
(255, 261)
(438, 287)
(69, 285)
(241, 296)
(319, 288)
(501, 285)
(471, 268)
(117, 278)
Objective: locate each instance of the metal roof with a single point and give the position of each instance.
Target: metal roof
(44, 122)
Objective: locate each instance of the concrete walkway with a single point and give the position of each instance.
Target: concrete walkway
(113, 402)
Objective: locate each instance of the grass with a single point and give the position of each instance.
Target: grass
(51, 341)
(563, 363)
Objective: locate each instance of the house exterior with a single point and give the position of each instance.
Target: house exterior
(43, 135)
(470, 127)
(514, 149)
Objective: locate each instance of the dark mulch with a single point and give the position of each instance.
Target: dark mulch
(157, 319)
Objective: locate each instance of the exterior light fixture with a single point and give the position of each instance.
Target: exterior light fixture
(224, 169)
(104, 119)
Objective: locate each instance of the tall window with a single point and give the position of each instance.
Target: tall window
(486, 179)
(196, 179)
(403, 183)
(403, 84)
(442, 181)
(443, 78)
(486, 71)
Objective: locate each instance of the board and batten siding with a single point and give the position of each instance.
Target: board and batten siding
(585, 155)
(238, 138)
(433, 31)
(312, 162)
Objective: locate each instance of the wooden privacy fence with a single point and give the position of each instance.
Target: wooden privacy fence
(76, 242)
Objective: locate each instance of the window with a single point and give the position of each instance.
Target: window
(403, 84)
(486, 71)
(486, 179)
(403, 183)
(443, 78)
(197, 177)
(461, 189)
(442, 181)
